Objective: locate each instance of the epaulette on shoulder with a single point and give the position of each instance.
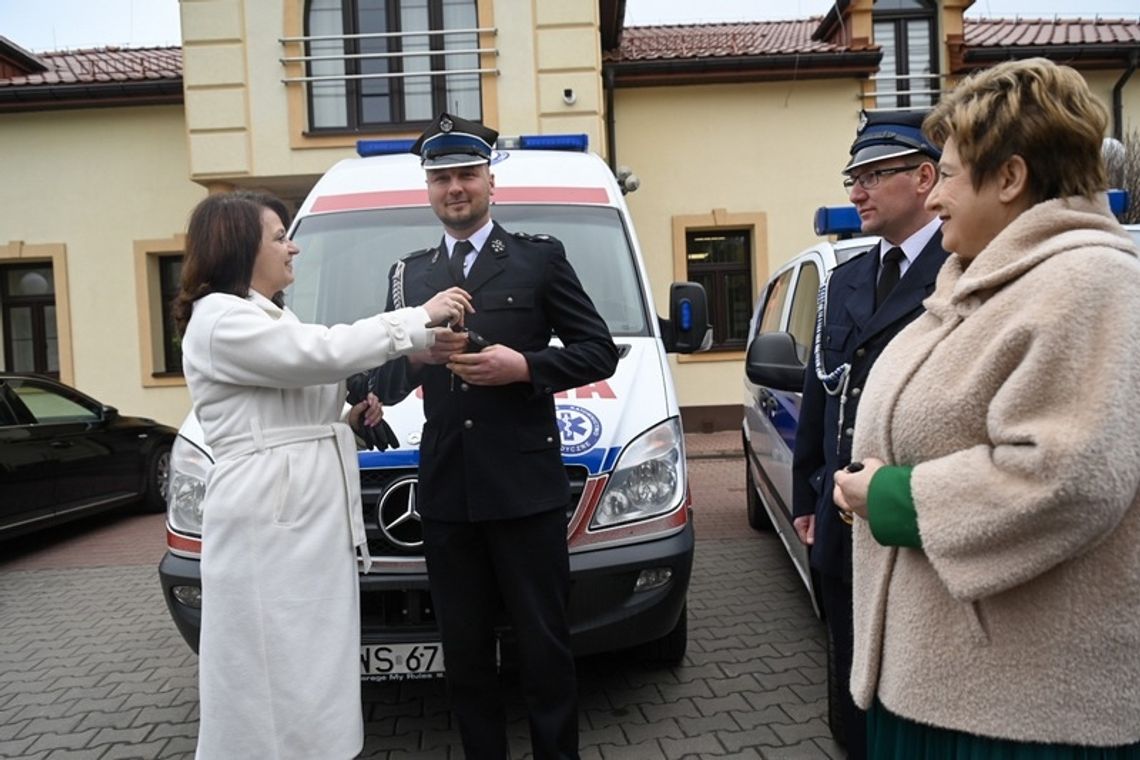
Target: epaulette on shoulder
(535, 238)
(417, 254)
(857, 257)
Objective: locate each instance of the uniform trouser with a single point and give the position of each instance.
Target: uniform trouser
(521, 565)
(838, 607)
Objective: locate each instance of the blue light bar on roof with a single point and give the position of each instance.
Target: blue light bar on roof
(577, 143)
(837, 220)
(1118, 202)
(365, 148)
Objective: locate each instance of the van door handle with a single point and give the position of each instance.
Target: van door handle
(60, 444)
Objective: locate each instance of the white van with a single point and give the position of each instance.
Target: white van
(630, 529)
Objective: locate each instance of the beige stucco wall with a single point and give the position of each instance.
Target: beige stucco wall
(770, 148)
(96, 181)
(244, 127)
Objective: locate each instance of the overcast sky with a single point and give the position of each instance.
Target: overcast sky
(41, 25)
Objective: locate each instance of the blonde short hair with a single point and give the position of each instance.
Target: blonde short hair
(1035, 109)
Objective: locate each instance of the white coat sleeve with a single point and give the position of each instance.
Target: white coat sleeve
(246, 347)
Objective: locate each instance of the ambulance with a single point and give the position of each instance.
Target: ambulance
(629, 528)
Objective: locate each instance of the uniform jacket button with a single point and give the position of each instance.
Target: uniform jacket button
(468, 424)
(463, 386)
(856, 391)
(550, 439)
(510, 299)
(861, 352)
(849, 432)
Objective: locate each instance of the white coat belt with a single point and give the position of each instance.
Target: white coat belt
(262, 440)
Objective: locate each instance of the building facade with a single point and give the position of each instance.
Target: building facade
(737, 133)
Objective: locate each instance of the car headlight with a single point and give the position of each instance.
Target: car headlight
(648, 479)
(188, 468)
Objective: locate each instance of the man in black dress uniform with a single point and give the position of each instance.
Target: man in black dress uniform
(493, 492)
(870, 298)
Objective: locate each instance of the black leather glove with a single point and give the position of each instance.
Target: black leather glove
(379, 436)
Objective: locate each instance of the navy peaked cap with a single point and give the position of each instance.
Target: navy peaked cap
(888, 134)
(451, 141)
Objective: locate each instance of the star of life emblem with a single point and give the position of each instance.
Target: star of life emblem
(579, 428)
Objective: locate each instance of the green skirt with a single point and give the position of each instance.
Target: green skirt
(890, 737)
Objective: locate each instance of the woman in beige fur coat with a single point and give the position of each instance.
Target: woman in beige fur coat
(997, 561)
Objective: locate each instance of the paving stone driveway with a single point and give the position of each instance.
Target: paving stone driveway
(91, 666)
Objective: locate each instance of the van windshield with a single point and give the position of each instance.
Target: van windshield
(342, 272)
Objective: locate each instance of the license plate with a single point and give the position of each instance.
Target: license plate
(401, 662)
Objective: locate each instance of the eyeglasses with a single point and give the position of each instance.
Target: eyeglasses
(867, 180)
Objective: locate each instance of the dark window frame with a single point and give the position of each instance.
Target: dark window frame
(718, 296)
(350, 19)
(168, 289)
(38, 304)
(898, 19)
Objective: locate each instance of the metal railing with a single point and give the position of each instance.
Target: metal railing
(402, 55)
(872, 97)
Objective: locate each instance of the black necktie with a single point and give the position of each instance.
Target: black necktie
(458, 254)
(888, 275)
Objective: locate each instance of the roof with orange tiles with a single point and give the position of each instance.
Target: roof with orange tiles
(1012, 33)
(96, 77)
(646, 43)
(103, 65)
(763, 38)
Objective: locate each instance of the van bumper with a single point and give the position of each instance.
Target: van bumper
(606, 613)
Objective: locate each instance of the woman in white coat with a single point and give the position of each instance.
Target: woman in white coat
(279, 659)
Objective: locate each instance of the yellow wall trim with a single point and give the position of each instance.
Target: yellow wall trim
(719, 218)
(148, 302)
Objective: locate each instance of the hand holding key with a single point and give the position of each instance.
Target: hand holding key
(851, 485)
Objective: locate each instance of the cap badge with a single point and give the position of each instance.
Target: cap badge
(862, 123)
(446, 125)
(497, 246)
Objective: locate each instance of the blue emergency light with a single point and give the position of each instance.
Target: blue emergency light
(686, 316)
(366, 148)
(577, 143)
(1118, 202)
(837, 220)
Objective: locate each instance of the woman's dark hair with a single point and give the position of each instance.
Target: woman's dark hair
(222, 241)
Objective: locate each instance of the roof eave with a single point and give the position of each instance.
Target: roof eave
(743, 68)
(93, 95)
(1084, 55)
(834, 18)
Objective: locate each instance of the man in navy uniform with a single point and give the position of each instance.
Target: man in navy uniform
(493, 491)
(893, 168)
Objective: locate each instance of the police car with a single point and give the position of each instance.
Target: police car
(781, 332)
(629, 530)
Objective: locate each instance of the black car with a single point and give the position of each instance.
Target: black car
(64, 455)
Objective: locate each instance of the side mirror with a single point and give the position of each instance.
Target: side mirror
(108, 412)
(773, 361)
(687, 330)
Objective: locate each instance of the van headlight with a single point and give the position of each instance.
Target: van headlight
(648, 479)
(189, 466)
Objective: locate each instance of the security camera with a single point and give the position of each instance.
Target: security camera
(568, 96)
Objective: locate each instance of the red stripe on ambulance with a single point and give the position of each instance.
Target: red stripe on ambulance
(418, 197)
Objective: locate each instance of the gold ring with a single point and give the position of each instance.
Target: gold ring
(846, 516)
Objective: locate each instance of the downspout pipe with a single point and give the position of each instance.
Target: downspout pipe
(1118, 98)
(611, 131)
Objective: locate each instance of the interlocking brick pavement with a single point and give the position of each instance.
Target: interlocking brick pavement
(91, 666)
